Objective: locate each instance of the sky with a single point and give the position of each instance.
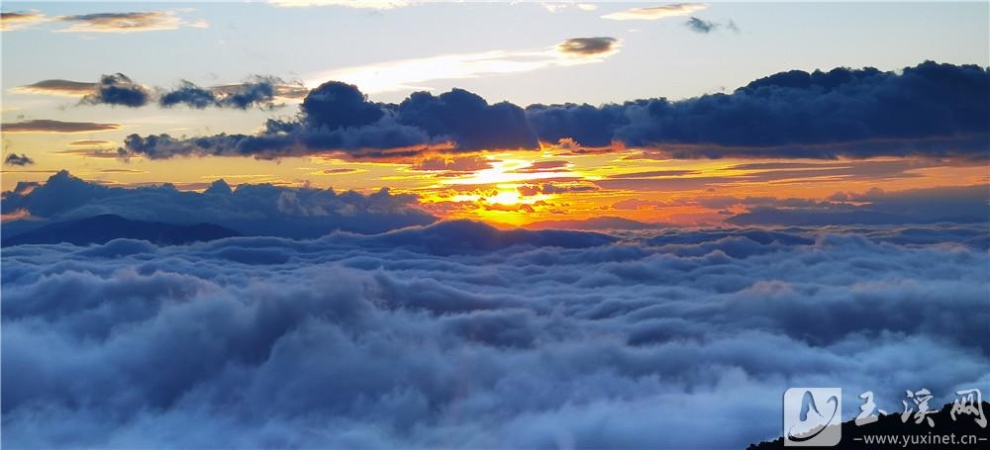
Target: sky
(400, 224)
(524, 53)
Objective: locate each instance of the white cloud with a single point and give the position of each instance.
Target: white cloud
(415, 74)
(127, 22)
(359, 4)
(453, 336)
(657, 12)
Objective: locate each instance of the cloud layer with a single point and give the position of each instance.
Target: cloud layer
(934, 110)
(460, 335)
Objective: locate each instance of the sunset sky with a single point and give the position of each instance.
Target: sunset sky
(482, 225)
(57, 116)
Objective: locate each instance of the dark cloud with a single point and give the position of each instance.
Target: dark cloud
(263, 92)
(259, 91)
(706, 26)
(460, 335)
(55, 126)
(931, 109)
(334, 105)
(118, 89)
(14, 159)
(700, 26)
(588, 46)
(250, 209)
(188, 94)
(585, 124)
(934, 110)
(338, 117)
(468, 120)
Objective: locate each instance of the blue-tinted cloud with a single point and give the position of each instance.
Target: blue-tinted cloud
(263, 92)
(701, 26)
(934, 110)
(249, 209)
(931, 109)
(118, 89)
(465, 336)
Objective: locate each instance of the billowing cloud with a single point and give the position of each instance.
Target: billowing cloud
(118, 89)
(588, 46)
(127, 22)
(657, 12)
(55, 126)
(461, 335)
(933, 110)
(468, 120)
(338, 117)
(14, 159)
(249, 209)
(16, 20)
(930, 109)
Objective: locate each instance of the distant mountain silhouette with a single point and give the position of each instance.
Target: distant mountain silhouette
(104, 228)
(891, 424)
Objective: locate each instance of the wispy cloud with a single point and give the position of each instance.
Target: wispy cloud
(127, 22)
(559, 6)
(706, 26)
(58, 87)
(10, 21)
(700, 26)
(589, 46)
(657, 12)
(359, 4)
(412, 74)
(55, 126)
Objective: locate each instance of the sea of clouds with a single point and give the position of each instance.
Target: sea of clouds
(459, 335)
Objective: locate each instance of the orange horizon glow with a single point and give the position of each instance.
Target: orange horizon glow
(518, 188)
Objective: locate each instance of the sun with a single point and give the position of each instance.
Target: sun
(505, 197)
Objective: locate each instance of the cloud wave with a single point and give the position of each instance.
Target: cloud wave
(461, 335)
